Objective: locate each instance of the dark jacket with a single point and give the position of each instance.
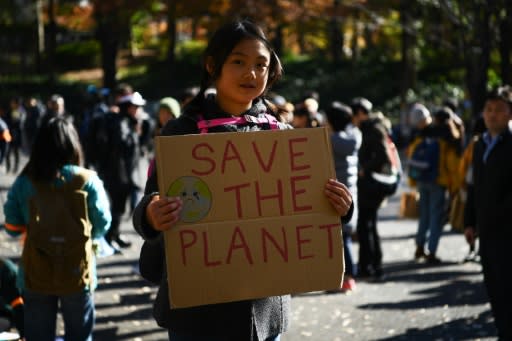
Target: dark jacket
(241, 320)
(489, 201)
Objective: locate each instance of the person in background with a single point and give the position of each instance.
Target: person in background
(187, 95)
(5, 135)
(14, 119)
(11, 301)
(346, 140)
(489, 203)
(116, 137)
(240, 63)
(432, 191)
(168, 109)
(374, 158)
(56, 159)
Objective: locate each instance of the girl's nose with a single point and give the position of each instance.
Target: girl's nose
(250, 73)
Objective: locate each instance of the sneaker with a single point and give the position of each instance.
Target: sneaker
(349, 284)
(433, 260)
(419, 254)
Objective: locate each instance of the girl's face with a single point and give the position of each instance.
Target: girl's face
(496, 115)
(243, 77)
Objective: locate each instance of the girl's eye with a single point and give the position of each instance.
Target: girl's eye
(237, 61)
(262, 65)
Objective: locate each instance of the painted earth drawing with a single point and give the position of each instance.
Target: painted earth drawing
(196, 197)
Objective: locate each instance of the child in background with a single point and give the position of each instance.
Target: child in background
(241, 65)
(55, 160)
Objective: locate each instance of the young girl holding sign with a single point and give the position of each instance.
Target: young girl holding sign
(241, 65)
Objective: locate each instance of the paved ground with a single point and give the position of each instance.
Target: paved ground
(417, 302)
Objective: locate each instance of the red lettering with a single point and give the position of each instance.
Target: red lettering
(270, 162)
(329, 228)
(230, 147)
(283, 251)
(296, 192)
(278, 196)
(243, 245)
(185, 245)
(211, 162)
(300, 241)
(294, 154)
(237, 195)
(207, 261)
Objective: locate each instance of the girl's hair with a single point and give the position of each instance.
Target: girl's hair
(56, 144)
(220, 46)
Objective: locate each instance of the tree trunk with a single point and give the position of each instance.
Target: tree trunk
(408, 45)
(278, 41)
(505, 45)
(109, 39)
(478, 59)
(40, 36)
(336, 41)
(171, 36)
(52, 42)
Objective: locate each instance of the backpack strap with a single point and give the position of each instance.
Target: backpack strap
(204, 125)
(77, 182)
(79, 179)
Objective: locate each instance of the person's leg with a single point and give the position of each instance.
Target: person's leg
(497, 281)
(363, 222)
(78, 316)
(375, 246)
(118, 194)
(40, 316)
(436, 222)
(350, 269)
(424, 218)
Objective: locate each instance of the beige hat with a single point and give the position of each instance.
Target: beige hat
(418, 114)
(172, 105)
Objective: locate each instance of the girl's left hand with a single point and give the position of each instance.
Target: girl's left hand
(339, 196)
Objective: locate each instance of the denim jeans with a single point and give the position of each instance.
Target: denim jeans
(181, 337)
(41, 316)
(432, 200)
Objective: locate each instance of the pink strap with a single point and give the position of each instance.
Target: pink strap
(204, 125)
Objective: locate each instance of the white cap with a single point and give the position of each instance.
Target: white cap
(135, 99)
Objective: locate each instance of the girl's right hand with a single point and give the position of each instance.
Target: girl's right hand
(162, 213)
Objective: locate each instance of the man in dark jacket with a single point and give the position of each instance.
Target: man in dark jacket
(114, 138)
(487, 211)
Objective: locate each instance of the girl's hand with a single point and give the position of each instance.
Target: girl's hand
(339, 196)
(163, 213)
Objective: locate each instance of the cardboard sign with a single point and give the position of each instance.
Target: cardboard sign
(255, 220)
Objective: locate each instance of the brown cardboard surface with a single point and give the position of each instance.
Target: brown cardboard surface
(255, 222)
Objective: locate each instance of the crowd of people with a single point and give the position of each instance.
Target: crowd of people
(115, 132)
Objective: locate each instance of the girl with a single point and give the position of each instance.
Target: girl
(241, 66)
(54, 160)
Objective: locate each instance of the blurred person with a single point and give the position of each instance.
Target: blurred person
(5, 135)
(432, 168)
(187, 95)
(346, 140)
(489, 204)
(116, 139)
(11, 300)
(168, 109)
(32, 122)
(14, 119)
(282, 107)
(373, 159)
